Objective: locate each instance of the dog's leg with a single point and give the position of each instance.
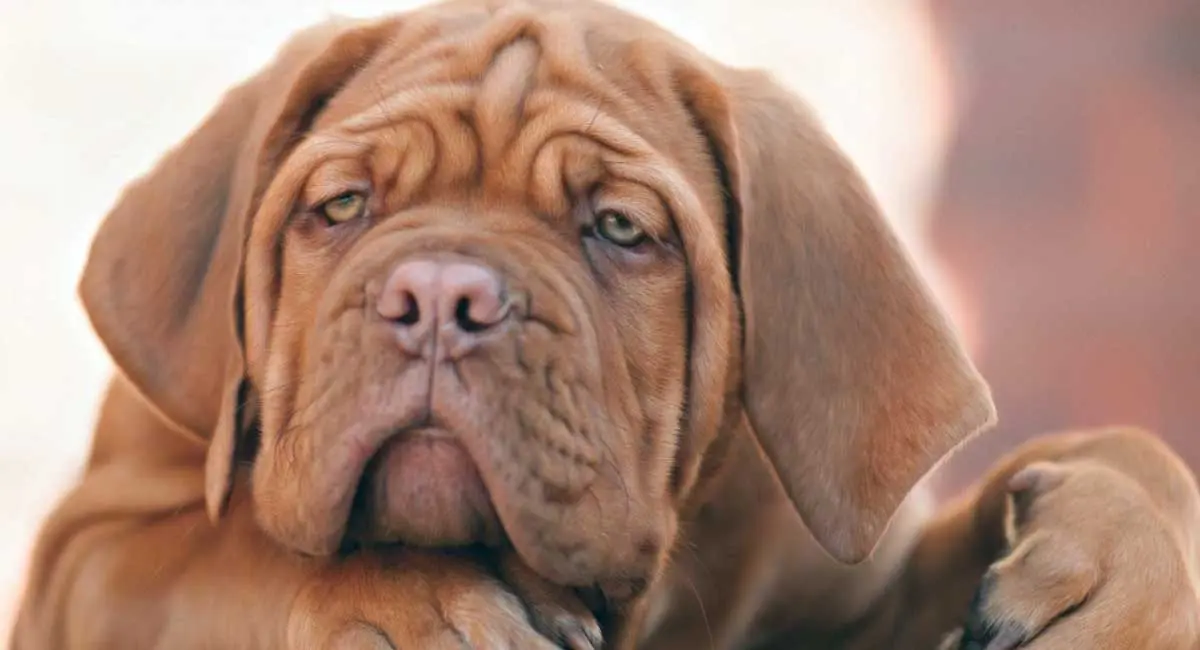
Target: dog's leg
(1080, 540)
(130, 560)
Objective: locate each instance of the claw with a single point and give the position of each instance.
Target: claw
(556, 612)
(572, 631)
(1005, 636)
(584, 636)
(1009, 637)
(979, 633)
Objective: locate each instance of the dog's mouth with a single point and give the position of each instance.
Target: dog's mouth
(422, 487)
(522, 459)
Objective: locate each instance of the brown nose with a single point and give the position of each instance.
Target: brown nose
(460, 298)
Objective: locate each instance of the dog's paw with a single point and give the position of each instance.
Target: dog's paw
(411, 599)
(557, 612)
(1092, 564)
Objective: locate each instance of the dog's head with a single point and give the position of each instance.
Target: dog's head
(486, 275)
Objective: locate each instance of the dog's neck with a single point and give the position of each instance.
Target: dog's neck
(746, 570)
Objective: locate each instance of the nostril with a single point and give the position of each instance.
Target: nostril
(405, 298)
(412, 311)
(423, 293)
(465, 320)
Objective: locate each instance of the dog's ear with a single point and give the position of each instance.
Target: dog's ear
(852, 378)
(162, 281)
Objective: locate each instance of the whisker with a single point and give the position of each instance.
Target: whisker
(712, 642)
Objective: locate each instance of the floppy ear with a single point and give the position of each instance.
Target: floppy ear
(853, 380)
(162, 281)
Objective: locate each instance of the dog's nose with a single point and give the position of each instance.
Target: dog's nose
(458, 297)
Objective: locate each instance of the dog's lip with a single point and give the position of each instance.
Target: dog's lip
(427, 431)
(419, 465)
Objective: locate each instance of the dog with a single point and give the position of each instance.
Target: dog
(526, 325)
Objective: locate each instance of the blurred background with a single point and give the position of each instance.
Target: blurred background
(1041, 161)
(1068, 210)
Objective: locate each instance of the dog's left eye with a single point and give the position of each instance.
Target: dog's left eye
(618, 229)
(344, 207)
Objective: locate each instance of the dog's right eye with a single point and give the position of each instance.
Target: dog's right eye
(618, 229)
(344, 207)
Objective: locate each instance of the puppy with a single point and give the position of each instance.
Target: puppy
(541, 278)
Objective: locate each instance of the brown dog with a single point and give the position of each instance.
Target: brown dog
(543, 279)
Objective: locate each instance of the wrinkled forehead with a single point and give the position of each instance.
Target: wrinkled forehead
(586, 47)
(501, 76)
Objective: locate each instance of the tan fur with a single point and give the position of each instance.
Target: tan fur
(687, 439)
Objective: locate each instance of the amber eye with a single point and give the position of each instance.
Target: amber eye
(618, 229)
(344, 207)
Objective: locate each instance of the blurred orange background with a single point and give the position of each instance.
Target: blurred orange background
(1068, 212)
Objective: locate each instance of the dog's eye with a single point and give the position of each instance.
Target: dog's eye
(618, 229)
(344, 207)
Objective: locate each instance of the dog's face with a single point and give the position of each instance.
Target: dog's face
(500, 274)
(467, 292)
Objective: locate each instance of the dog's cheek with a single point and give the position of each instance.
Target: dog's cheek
(279, 387)
(287, 384)
(543, 421)
(626, 498)
(274, 466)
(291, 319)
(651, 323)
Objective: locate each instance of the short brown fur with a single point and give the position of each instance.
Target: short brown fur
(714, 440)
